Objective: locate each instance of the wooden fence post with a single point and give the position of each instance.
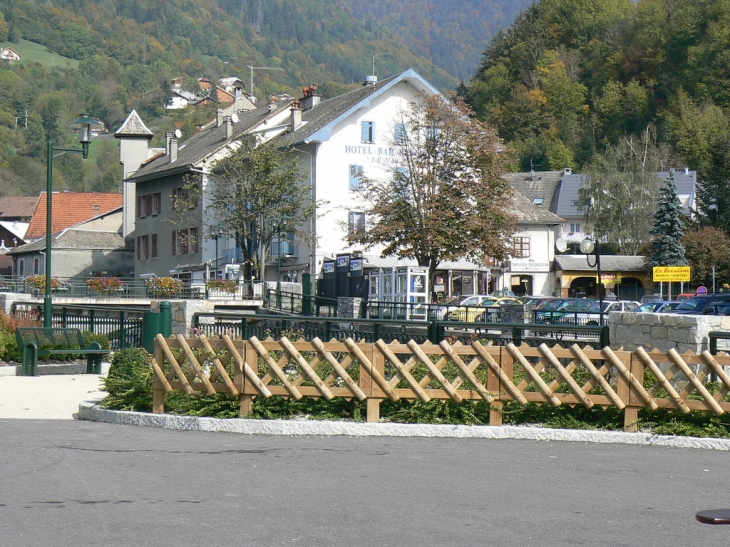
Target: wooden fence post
(494, 385)
(366, 384)
(626, 393)
(158, 391)
(252, 359)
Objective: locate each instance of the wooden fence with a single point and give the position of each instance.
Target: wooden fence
(628, 380)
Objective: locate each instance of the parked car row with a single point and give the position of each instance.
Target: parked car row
(578, 311)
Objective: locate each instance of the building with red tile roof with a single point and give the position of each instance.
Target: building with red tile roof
(70, 209)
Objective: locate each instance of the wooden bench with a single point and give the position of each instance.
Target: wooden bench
(35, 342)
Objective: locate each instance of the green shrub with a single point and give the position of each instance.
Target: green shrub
(100, 337)
(130, 381)
(9, 350)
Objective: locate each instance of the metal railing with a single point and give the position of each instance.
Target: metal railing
(370, 330)
(569, 318)
(299, 304)
(127, 288)
(123, 326)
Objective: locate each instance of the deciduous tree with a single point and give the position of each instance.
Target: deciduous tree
(441, 195)
(619, 194)
(706, 248)
(257, 193)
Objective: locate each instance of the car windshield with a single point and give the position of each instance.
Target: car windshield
(596, 307)
(472, 301)
(694, 303)
(581, 304)
(648, 307)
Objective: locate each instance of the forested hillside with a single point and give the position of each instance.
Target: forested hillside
(124, 54)
(452, 34)
(570, 77)
(612, 86)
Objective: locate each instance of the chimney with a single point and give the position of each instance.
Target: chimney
(173, 149)
(219, 117)
(239, 94)
(370, 81)
(229, 126)
(296, 117)
(168, 136)
(686, 170)
(311, 97)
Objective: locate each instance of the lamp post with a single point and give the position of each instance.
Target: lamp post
(278, 268)
(591, 247)
(84, 122)
(216, 237)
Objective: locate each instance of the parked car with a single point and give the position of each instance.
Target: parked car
(703, 305)
(503, 292)
(441, 312)
(658, 306)
(463, 300)
(651, 298)
(536, 301)
(669, 306)
(554, 311)
(477, 312)
(593, 316)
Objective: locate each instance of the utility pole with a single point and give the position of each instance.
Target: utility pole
(375, 57)
(251, 67)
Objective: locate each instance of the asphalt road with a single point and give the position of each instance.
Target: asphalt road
(71, 483)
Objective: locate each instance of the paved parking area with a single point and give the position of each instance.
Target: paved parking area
(53, 397)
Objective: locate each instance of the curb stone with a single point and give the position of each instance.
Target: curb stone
(92, 412)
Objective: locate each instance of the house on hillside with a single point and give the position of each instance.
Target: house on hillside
(9, 54)
(337, 139)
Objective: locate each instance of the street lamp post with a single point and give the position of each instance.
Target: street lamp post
(592, 247)
(278, 268)
(216, 237)
(84, 122)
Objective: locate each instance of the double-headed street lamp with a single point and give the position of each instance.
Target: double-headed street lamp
(84, 123)
(591, 247)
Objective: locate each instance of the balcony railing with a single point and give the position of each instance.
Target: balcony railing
(128, 288)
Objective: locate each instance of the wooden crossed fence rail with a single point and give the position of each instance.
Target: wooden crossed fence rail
(495, 374)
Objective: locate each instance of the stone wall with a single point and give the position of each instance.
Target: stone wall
(665, 331)
(349, 307)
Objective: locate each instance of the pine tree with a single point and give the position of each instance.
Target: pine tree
(668, 231)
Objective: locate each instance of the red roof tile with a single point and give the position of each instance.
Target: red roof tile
(70, 209)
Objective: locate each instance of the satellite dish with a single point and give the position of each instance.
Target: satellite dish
(234, 118)
(561, 245)
(178, 133)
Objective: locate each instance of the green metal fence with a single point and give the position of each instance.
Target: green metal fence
(371, 330)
